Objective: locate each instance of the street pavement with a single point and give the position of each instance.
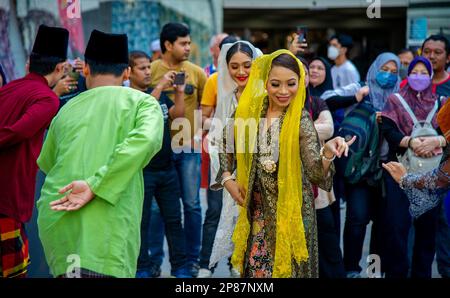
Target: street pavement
(222, 270)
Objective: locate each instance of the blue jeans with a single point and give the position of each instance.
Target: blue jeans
(212, 218)
(156, 236)
(397, 223)
(164, 186)
(38, 266)
(362, 207)
(188, 168)
(443, 242)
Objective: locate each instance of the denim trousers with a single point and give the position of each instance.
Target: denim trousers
(189, 174)
(156, 236)
(443, 242)
(212, 217)
(362, 206)
(164, 186)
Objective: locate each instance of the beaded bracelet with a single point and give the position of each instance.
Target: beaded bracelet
(226, 179)
(400, 183)
(324, 157)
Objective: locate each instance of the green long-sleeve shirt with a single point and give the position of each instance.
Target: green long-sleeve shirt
(105, 136)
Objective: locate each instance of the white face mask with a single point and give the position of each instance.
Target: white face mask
(333, 52)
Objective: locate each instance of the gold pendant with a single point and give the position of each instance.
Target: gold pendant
(269, 166)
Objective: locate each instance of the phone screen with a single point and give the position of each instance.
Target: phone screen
(301, 31)
(74, 74)
(179, 78)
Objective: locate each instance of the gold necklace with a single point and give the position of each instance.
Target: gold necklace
(266, 156)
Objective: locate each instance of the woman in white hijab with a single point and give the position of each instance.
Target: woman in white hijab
(233, 69)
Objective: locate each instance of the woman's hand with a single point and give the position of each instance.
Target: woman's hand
(337, 147)
(426, 146)
(378, 115)
(297, 47)
(396, 169)
(236, 191)
(362, 92)
(79, 65)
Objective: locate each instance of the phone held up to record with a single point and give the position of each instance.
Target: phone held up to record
(301, 32)
(73, 73)
(180, 78)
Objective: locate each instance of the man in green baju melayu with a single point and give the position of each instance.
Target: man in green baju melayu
(90, 207)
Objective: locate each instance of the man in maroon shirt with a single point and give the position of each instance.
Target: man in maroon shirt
(27, 106)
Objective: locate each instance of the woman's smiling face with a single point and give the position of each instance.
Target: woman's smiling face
(239, 68)
(317, 72)
(282, 86)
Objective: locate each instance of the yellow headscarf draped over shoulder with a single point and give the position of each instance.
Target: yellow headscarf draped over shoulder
(290, 232)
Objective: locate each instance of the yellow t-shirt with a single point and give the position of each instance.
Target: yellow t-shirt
(209, 97)
(195, 83)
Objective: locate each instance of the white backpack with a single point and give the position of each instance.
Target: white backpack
(412, 162)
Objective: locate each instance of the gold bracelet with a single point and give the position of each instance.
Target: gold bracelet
(226, 179)
(324, 157)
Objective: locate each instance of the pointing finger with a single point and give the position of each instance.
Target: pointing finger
(349, 143)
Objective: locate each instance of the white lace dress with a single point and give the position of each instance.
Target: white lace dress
(223, 246)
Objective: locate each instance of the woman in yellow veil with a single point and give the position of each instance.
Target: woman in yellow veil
(275, 150)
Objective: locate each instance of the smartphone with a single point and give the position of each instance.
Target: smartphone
(72, 71)
(74, 74)
(301, 32)
(180, 78)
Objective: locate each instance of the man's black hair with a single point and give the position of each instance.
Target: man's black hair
(43, 65)
(170, 32)
(134, 55)
(439, 37)
(345, 40)
(404, 51)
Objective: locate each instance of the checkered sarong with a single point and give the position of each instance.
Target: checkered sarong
(14, 257)
(85, 273)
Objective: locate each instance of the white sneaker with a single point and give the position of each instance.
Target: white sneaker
(234, 273)
(204, 273)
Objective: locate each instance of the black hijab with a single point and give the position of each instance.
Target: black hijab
(327, 84)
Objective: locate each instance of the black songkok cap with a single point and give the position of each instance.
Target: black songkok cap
(107, 48)
(51, 41)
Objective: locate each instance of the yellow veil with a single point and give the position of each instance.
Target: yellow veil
(290, 232)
